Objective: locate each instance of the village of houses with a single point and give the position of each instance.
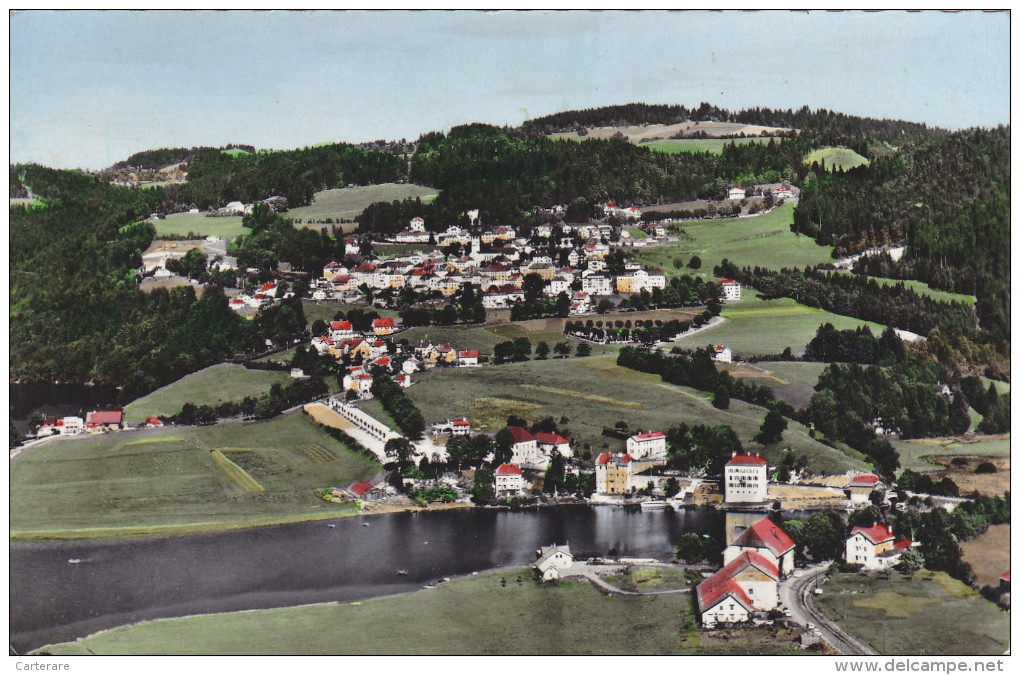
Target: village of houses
(758, 555)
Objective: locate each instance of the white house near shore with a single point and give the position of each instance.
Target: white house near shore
(647, 446)
(746, 479)
(509, 481)
(553, 561)
(766, 539)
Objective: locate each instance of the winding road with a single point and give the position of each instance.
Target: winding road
(797, 594)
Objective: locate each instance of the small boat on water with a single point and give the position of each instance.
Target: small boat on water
(73, 561)
(364, 524)
(653, 504)
(402, 573)
(331, 526)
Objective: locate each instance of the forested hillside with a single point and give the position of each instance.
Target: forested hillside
(76, 313)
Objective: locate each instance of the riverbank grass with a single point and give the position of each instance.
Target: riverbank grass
(501, 613)
(180, 480)
(902, 614)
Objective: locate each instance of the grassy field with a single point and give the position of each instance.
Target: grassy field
(348, 203)
(166, 481)
(474, 616)
(905, 614)
(763, 241)
(710, 145)
(792, 381)
(210, 386)
(636, 233)
(756, 326)
(912, 453)
(836, 158)
(225, 227)
(988, 555)
(593, 393)
(485, 338)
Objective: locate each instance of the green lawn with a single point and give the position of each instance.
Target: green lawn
(224, 227)
(636, 233)
(796, 379)
(710, 145)
(836, 158)
(927, 613)
(235, 152)
(593, 393)
(474, 616)
(756, 326)
(159, 482)
(210, 386)
(348, 203)
(764, 241)
(912, 453)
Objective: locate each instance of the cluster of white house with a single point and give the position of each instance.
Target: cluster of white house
(496, 262)
(262, 297)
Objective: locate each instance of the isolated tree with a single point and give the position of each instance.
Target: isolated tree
(695, 263)
(772, 428)
(721, 400)
(604, 306)
(542, 350)
(562, 348)
(584, 349)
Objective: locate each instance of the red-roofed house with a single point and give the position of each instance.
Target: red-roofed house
(383, 326)
(468, 358)
(340, 330)
(746, 585)
(647, 446)
(731, 289)
(106, 420)
(746, 479)
(153, 422)
(736, 193)
(874, 547)
(460, 427)
(766, 539)
(722, 354)
(547, 443)
(509, 481)
(612, 474)
(859, 488)
(525, 451)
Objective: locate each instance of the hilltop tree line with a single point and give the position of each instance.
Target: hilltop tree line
(216, 178)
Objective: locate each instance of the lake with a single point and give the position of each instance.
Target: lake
(121, 582)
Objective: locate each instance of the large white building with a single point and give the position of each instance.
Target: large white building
(746, 479)
(525, 451)
(648, 446)
(874, 547)
(731, 289)
(766, 539)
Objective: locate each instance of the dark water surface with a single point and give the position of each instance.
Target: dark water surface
(126, 581)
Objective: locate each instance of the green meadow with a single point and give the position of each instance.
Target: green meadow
(840, 159)
(210, 386)
(764, 241)
(754, 326)
(180, 224)
(169, 481)
(907, 614)
(506, 612)
(348, 203)
(713, 146)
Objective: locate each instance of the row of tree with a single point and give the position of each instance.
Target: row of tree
(399, 405)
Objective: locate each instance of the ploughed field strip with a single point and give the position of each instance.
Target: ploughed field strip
(233, 472)
(314, 453)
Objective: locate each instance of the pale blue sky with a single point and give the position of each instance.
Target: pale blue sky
(90, 88)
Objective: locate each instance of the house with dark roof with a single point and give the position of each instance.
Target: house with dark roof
(553, 561)
(766, 539)
(746, 585)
